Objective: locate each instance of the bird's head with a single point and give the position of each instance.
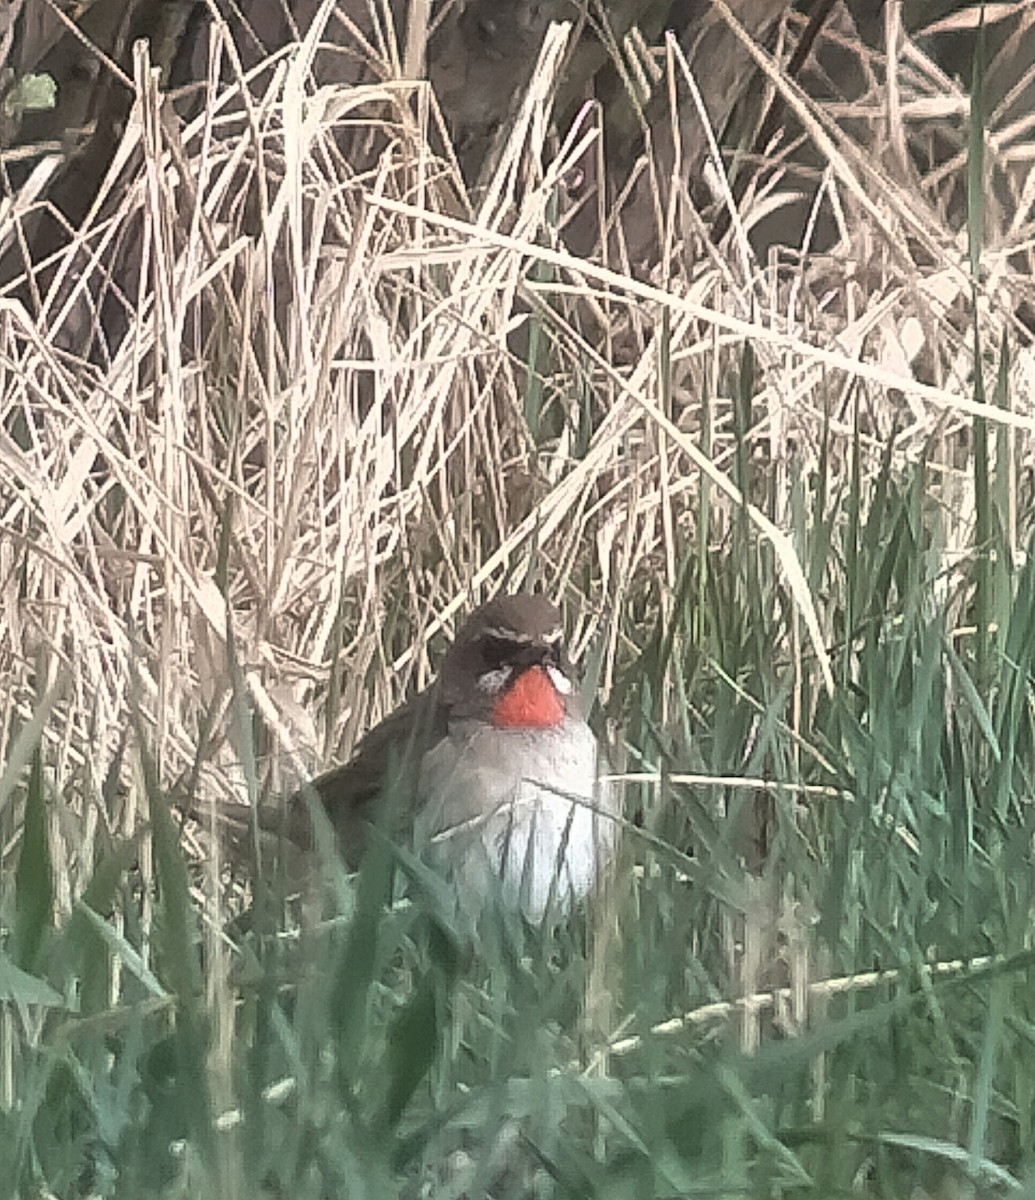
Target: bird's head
(508, 665)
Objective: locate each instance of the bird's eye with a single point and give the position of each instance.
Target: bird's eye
(487, 28)
(496, 652)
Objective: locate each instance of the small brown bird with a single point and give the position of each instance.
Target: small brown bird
(492, 769)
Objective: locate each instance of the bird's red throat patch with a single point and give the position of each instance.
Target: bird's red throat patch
(531, 702)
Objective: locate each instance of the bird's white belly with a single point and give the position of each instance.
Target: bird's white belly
(519, 811)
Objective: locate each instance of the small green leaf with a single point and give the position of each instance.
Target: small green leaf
(32, 93)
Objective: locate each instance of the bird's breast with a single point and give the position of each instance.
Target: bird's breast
(517, 810)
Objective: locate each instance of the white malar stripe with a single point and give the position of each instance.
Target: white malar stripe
(494, 682)
(559, 680)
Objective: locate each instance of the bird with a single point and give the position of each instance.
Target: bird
(491, 772)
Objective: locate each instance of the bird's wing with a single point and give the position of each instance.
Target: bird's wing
(384, 771)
